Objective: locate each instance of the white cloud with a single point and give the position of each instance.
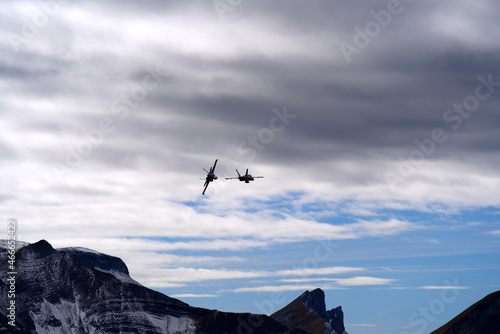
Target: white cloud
(351, 281)
(454, 25)
(114, 245)
(193, 295)
(317, 271)
(442, 287)
(494, 233)
(431, 287)
(272, 288)
(336, 283)
(363, 280)
(158, 276)
(362, 325)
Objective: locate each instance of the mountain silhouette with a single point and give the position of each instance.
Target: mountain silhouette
(481, 318)
(78, 290)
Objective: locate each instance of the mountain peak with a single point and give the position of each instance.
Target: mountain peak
(482, 317)
(315, 302)
(95, 260)
(308, 312)
(80, 290)
(38, 250)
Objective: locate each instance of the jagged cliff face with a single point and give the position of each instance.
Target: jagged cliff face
(308, 312)
(76, 290)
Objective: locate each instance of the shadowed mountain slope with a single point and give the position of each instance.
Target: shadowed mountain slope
(308, 312)
(77, 290)
(481, 318)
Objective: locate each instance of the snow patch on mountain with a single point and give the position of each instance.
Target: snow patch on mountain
(64, 317)
(173, 325)
(80, 249)
(121, 276)
(4, 244)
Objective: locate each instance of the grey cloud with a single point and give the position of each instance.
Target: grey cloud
(396, 90)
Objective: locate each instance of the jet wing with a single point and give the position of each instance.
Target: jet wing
(206, 186)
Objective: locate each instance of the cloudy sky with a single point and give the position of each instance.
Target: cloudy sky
(375, 124)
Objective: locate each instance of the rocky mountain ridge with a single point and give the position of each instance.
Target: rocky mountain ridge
(308, 312)
(75, 290)
(482, 317)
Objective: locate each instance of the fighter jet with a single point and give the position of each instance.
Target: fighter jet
(247, 177)
(210, 176)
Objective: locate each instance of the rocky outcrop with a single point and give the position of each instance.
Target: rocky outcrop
(308, 312)
(481, 318)
(55, 294)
